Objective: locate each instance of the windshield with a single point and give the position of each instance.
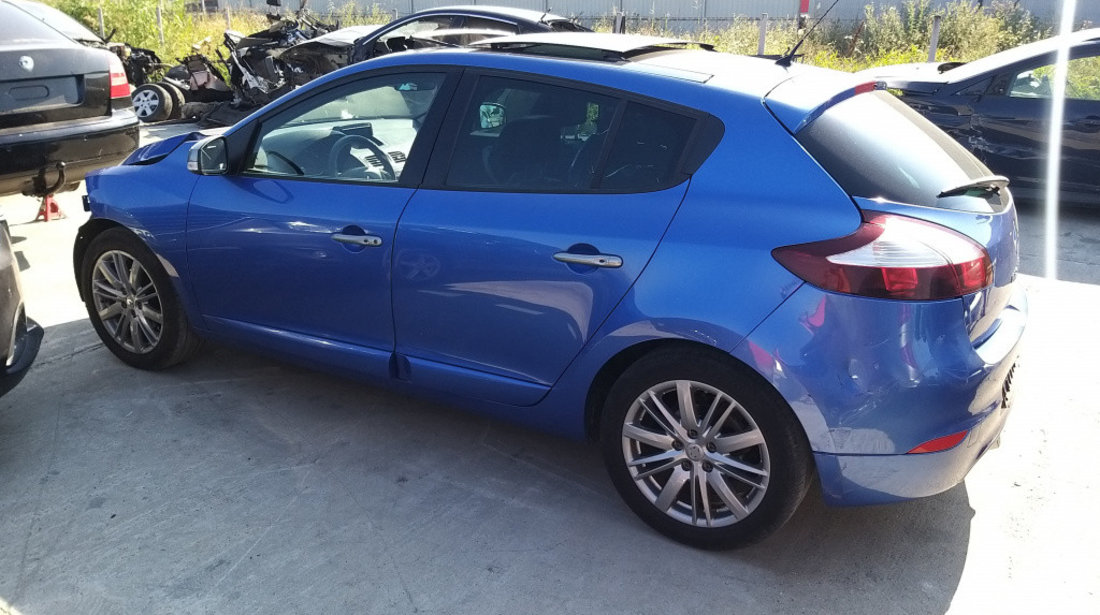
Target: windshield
(875, 146)
(60, 22)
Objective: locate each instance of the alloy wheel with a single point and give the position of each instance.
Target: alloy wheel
(126, 301)
(695, 453)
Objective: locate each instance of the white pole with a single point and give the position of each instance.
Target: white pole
(935, 42)
(763, 34)
(1054, 154)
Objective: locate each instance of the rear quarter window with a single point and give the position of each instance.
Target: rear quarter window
(875, 146)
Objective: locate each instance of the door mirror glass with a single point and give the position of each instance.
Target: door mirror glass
(492, 115)
(208, 157)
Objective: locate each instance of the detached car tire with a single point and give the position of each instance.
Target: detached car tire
(152, 103)
(132, 303)
(703, 451)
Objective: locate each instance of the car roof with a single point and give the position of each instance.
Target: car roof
(1018, 54)
(497, 11)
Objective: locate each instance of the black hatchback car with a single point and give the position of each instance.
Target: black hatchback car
(998, 107)
(65, 108)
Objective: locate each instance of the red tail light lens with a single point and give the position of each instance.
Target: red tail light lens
(893, 257)
(939, 444)
(120, 87)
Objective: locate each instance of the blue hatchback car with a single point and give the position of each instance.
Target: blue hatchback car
(734, 274)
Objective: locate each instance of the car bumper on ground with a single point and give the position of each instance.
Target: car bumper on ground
(27, 342)
(905, 375)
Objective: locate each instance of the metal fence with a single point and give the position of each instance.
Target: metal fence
(677, 14)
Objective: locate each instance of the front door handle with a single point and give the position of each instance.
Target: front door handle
(594, 260)
(370, 241)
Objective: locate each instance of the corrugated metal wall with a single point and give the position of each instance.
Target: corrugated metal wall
(684, 11)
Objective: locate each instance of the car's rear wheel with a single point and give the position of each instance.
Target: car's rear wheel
(703, 451)
(152, 103)
(132, 304)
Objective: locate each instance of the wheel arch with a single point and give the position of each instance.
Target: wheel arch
(89, 231)
(614, 367)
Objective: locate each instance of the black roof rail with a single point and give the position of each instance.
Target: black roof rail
(586, 45)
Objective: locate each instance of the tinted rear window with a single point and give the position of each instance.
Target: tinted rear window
(60, 21)
(875, 146)
(17, 27)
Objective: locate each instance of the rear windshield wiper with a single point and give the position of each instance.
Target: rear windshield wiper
(977, 187)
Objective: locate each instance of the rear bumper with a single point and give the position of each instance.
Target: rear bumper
(853, 480)
(83, 146)
(871, 380)
(26, 349)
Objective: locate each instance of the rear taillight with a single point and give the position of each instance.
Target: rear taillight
(120, 87)
(893, 257)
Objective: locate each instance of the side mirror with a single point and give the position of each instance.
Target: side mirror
(208, 157)
(492, 115)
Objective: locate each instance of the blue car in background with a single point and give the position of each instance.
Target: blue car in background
(731, 273)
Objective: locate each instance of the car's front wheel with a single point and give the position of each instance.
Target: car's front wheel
(132, 304)
(703, 451)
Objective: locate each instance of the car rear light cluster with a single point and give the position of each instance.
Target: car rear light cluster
(893, 257)
(120, 87)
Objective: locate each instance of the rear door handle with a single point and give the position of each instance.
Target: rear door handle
(370, 241)
(594, 260)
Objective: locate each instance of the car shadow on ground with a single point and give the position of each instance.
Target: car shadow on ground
(237, 483)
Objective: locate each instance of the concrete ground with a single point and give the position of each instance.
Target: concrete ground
(238, 484)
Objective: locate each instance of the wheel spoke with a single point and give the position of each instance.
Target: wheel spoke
(111, 277)
(723, 491)
(101, 288)
(737, 442)
(122, 271)
(672, 489)
(111, 311)
(149, 314)
(722, 460)
(700, 479)
(646, 436)
(687, 405)
(669, 454)
(705, 424)
(146, 330)
(669, 422)
(658, 469)
(716, 425)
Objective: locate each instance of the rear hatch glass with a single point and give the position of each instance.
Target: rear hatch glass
(875, 146)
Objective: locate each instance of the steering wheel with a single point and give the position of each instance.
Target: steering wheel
(344, 145)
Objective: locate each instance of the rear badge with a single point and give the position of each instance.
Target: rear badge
(27, 63)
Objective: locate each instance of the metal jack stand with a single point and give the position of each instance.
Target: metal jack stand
(49, 209)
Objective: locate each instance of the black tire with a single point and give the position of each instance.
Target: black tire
(766, 469)
(126, 291)
(152, 103)
(178, 99)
